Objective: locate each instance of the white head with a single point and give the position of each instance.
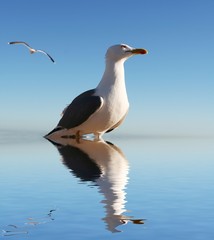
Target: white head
(123, 51)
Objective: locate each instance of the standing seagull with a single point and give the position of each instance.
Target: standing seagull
(102, 109)
(32, 50)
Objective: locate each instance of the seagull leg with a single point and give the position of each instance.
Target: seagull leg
(78, 136)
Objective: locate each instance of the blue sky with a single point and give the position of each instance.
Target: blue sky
(171, 90)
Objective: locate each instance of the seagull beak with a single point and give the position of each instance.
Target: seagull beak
(139, 51)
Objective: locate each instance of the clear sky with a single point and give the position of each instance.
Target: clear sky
(171, 90)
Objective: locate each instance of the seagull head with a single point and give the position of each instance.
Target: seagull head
(123, 51)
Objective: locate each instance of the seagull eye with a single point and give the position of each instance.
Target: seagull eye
(124, 47)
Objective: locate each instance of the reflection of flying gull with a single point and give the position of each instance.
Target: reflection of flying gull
(102, 109)
(32, 50)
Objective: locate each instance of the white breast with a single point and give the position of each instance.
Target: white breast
(115, 101)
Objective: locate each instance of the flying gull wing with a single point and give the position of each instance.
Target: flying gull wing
(46, 54)
(81, 108)
(21, 42)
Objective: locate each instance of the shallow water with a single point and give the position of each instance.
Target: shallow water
(135, 188)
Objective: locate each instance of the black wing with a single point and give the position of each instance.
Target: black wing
(81, 108)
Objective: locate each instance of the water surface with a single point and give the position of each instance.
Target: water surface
(125, 188)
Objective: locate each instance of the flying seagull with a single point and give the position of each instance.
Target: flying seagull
(100, 110)
(32, 50)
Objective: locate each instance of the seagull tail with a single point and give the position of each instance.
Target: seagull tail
(59, 132)
(56, 129)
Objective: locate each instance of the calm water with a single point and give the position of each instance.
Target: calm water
(138, 188)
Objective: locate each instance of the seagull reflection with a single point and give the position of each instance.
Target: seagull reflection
(103, 164)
